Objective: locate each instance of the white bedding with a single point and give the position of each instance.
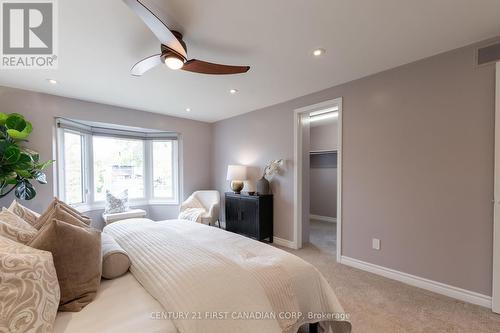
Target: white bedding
(121, 306)
(195, 269)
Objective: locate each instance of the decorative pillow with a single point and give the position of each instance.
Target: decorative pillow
(115, 261)
(77, 259)
(61, 211)
(15, 228)
(23, 212)
(116, 203)
(84, 218)
(29, 288)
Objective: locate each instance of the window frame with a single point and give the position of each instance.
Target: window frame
(144, 170)
(89, 203)
(175, 171)
(62, 162)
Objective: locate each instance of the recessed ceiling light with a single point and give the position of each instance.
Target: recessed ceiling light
(52, 81)
(319, 52)
(233, 91)
(188, 110)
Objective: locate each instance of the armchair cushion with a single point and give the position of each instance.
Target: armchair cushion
(202, 207)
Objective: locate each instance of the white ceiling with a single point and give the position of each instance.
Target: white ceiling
(100, 40)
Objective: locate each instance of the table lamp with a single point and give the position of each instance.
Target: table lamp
(237, 174)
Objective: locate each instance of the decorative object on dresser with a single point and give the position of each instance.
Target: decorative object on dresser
(237, 174)
(269, 171)
(251, 216)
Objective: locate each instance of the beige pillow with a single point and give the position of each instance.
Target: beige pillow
(15, 228)
(29, 289)
(60, 211)
(115, 261)
(84, 218)
(77, 258)
(45, 217)
(23, 212)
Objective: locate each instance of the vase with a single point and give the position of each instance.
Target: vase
(263, 186)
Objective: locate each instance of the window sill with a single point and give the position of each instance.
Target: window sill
(133, 204)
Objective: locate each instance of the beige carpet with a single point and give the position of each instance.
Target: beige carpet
(380, 305)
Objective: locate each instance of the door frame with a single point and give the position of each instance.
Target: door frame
(495, 298)
(297, 200)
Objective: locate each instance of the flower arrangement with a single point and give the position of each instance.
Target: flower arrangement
(18, 165)
(273, 168)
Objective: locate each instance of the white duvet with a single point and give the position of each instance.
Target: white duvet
(210, 280)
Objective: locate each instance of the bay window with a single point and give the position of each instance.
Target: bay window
(93, 158)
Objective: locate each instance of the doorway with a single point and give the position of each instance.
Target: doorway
(318, 176)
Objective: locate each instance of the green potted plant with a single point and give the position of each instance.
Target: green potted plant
(18, 165)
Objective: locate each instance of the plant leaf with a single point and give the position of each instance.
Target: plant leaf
(11, 181)
(3, 145)
(23, 173)
(17, 135)
(11, 154)
(9, 178)
(40, 177)
(3, 118)
(16, 122)
(25, 191)
(25, 158)
(44, 165)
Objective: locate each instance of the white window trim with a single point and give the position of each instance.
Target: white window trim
(88, 177)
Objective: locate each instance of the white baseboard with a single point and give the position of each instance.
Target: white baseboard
(284, 243)
(323, 218)
(419, 282)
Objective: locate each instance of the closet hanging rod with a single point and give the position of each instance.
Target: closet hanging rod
(320, 152)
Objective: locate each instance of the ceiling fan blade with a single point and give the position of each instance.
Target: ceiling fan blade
(159, 28)
(203, 67)
(145, 65)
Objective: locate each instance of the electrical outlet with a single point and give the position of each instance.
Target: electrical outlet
(376, 244)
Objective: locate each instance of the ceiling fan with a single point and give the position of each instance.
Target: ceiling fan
(173, 49)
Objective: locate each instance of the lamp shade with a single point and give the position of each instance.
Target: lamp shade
(236, 172)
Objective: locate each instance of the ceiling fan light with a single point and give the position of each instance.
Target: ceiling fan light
(173, 62)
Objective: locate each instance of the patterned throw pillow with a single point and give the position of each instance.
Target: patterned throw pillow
(23, 212)
(28, 287)
(116, 203)
(15, 228)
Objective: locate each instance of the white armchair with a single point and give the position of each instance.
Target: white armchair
(210, 200)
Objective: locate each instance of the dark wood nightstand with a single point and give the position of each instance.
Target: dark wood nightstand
(250, 215)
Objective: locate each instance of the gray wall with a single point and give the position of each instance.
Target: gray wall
(323, 169)
(324, 134)
(323, 185)
(418, 166)
(41, 109)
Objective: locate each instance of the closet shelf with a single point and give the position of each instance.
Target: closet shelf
(321, 152)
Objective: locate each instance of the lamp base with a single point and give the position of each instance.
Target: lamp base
(237, 186)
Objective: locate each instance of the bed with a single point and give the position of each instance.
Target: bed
(188, 277)
(121, 305)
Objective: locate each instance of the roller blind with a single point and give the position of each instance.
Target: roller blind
(103, 129)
